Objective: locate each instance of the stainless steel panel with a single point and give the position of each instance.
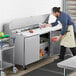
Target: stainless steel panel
(28, 21)
(7, 55)
(55, 46)
(32, 49)
(19, 50)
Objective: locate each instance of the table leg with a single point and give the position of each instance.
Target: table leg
(64, 72)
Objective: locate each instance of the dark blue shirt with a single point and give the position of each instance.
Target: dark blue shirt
(66, 20)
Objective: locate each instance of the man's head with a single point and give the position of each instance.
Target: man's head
(56, 11)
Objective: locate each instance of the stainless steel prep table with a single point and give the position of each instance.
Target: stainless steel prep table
(7, 55)
(27, 45)
(68, 64)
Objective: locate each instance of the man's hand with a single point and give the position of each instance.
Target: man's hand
(61, 36)
(48, 25)
(56, 38)
(45, 25)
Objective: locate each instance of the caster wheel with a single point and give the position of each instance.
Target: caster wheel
(24, 67)
(15, 70)
(3, 73)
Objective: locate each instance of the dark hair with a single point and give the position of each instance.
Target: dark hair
(56, 9)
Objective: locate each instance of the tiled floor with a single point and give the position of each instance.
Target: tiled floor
(33, 67)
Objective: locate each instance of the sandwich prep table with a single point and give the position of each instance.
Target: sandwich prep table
(35, 45)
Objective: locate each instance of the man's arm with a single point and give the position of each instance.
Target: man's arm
(55, 23)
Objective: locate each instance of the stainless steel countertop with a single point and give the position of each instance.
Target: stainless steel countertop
(68, 63)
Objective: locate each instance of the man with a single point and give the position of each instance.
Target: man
(67, 32)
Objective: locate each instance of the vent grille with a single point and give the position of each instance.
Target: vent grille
(70, 8)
